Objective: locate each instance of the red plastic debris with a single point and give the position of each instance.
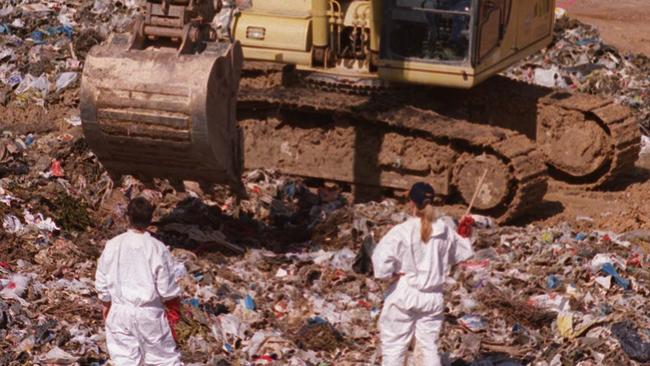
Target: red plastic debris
(56, 170)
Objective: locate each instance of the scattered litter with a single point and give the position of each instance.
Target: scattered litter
(284, 276)
(474, 323)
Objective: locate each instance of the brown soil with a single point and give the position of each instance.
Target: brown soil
(624, 24)
(620, 209)
(28, 117)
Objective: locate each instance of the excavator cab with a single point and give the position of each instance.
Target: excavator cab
(459, 43)
(427, 31)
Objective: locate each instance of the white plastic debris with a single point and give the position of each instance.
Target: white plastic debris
(553, 302)
(57, 356)
(74, 121)
(12, 224)
(14, 287)
(343, 259)
(18, 23)
(66, 79)
(550, 78)
(39, 222)
(604, 281)
(36, 8)
(40, 84)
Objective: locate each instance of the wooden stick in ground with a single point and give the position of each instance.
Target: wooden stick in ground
(478, 189)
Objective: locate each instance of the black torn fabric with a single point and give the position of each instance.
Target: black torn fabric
(630, 340)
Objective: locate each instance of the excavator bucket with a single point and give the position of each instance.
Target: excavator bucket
(157, 113)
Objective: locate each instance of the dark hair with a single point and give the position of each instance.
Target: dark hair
(140, 212)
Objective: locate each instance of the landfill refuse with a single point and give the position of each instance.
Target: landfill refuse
(283, 276)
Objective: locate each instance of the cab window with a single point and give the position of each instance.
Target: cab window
(427, 30)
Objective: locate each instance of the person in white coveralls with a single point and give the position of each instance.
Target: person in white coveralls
(417, 254)
(140, 297)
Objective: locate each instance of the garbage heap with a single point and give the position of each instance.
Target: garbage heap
(284, 276)
(579, 60)
(42, 49)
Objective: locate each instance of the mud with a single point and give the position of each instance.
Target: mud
(30, 118)
(375, 117)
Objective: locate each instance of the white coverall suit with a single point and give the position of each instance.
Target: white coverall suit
(414, 305)
(135, 274)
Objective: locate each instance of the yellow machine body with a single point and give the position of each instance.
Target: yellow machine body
(354, 37)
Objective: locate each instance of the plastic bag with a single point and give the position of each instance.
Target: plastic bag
(550, 78)
(40, 84)
(343, 259)
(57, 356)
(14, 287)
(66, 79)
(12, 224)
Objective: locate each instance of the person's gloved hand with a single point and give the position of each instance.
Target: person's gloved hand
(173, 314)
(465, 226)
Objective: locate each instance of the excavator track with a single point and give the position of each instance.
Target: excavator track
(612, 144)
(588, 141)
(515, 168)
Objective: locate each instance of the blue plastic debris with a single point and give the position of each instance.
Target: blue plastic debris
(198, 275)
(65, 29)
(29, 139)
(228, 348)
(552, 282)
(474, 323)
(290, 190)
(609, 269)
(37, 37)
(194, 302)
(587, 41)
(14, 80)
(249, 303)
(316, 320)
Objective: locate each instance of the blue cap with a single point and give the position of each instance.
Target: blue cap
(421, 194)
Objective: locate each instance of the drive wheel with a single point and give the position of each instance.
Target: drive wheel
(495, 190)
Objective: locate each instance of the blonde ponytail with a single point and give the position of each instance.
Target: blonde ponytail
(426, 215)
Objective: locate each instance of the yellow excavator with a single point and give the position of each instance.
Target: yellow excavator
(372, 93)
